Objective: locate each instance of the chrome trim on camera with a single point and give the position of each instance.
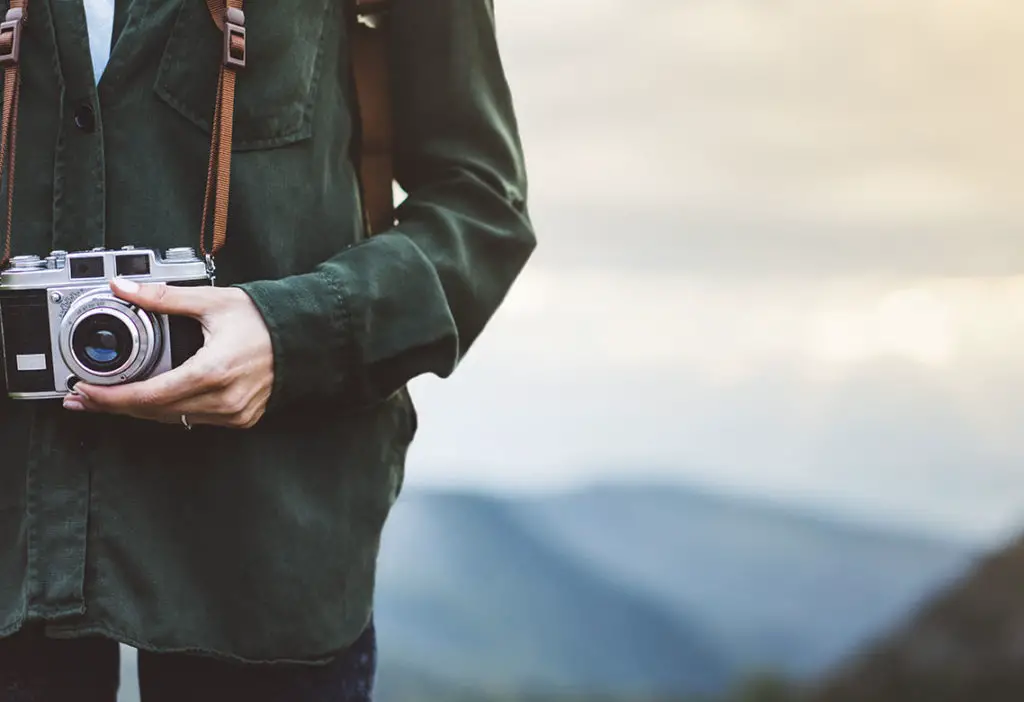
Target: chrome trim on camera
(35, 395)
(146, 337)
(178, 264)
(70, 300)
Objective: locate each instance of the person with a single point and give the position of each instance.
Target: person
(238, 552)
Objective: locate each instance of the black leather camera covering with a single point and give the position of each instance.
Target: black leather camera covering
(26, 330)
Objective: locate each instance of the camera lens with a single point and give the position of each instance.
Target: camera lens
(102, 348)
(102, 342)
(107, 341)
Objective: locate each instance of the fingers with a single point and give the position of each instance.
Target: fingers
(226, 383)
(210, 409)
(206, 397)
(194, 420)
(187, 380)
(219, 409)
(162, 298)
(77, 403)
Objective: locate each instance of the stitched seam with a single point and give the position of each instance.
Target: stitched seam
(341, 321)
(110, 632)
(304, 127)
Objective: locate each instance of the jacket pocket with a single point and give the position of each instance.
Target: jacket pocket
(275, 91)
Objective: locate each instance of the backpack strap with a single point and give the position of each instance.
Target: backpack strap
(370, 38)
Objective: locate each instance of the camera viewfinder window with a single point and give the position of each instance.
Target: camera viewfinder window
(87, 267)
(135, 264)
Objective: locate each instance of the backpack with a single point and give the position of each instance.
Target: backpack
(369, 38)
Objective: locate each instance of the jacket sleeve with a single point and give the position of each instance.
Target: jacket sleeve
(412, 300)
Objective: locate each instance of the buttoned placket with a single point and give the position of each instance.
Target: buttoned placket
(58, 495)
(79, 206)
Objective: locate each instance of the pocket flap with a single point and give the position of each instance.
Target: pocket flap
(274, 93)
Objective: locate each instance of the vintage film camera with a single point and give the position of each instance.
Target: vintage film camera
(60, 322)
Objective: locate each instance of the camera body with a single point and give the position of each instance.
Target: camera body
(60, 322)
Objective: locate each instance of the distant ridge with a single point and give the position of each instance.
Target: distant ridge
(814, 515)
(637, 588)
(966, 645)
(472, 591)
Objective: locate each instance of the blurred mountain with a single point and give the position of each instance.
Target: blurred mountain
(466, 593)
(780, 588)
(965, 646)
(634, 589)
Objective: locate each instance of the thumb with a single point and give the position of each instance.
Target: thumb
(163, 298)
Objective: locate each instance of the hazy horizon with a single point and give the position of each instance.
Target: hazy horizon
(777, 257)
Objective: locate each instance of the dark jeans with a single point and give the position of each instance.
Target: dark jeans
(36, 669)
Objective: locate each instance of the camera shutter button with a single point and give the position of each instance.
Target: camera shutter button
(85, 118)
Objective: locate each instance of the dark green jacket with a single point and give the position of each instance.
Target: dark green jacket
(258, 544)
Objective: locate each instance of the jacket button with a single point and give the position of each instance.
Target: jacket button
(85, 118)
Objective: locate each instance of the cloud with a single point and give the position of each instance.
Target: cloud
(885, 443)
(917, 457)
(620, 319)
(893, 398)
(792, 136)
(780, 253)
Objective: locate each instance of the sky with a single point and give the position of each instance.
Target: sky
(780, 254)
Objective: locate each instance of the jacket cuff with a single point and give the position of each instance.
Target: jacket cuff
(310, 330)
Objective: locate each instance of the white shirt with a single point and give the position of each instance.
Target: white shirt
(99, 18)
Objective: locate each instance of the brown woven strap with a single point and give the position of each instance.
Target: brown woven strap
(10, 53)
(231, 21)
(371, 71)
(370, 38)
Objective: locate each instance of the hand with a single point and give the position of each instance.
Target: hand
(226, 383)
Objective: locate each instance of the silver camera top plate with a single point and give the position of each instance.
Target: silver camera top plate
(85, 268)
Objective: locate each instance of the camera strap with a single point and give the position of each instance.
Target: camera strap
(10, 52)
(230, 20)
(369, 48)
(370, 41)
